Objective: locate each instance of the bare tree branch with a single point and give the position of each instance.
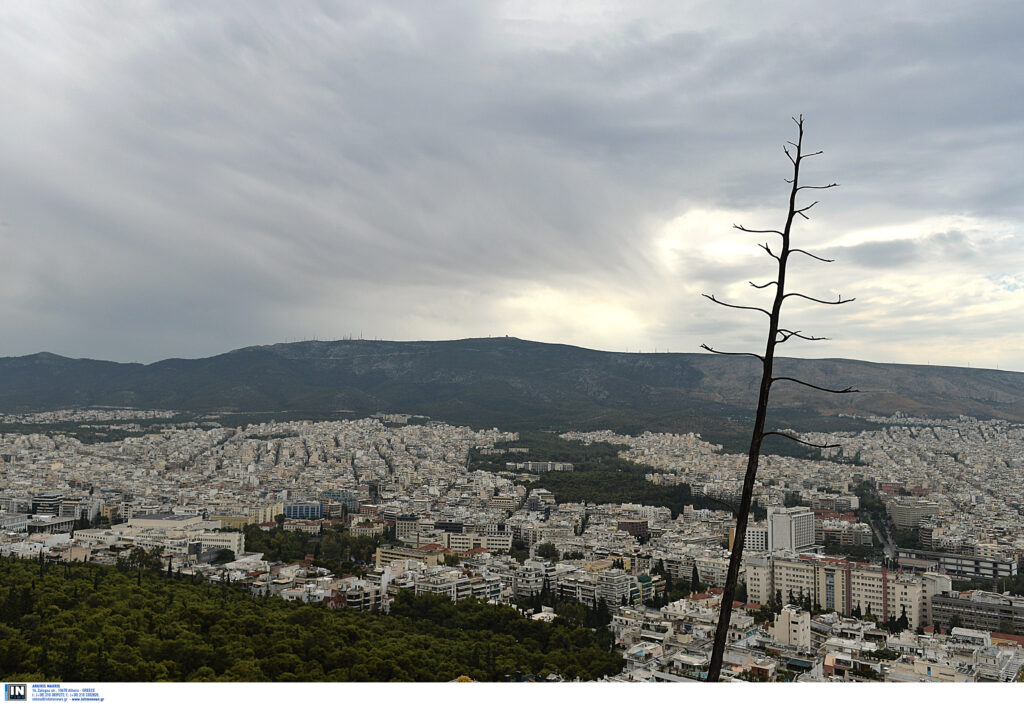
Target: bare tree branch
(765, 247)
(830, 185)
(769, 283)
(813, 256)
(715, 351)
(791, 159)
(713, 299)
(848, 389)
(800, 441)
(840, 301)
(741, 228)
(802, 210)
(786, 334)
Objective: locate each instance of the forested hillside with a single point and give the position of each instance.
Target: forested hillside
(84, 622)
(511, 383)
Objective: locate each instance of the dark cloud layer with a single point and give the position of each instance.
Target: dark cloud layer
(177, 179)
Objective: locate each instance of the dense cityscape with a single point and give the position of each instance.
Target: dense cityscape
(895, 558)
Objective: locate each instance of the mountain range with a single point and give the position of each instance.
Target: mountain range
(509, 382)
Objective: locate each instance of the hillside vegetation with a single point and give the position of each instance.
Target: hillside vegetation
(92, 623)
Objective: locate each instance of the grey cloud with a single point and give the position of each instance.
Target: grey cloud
(215, 175)
(888, 254)
(950, 247)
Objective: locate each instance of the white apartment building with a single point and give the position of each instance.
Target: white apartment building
(466, 541)
(712, 569)
(756, 539)
(456, 585)
(907, 513)
(793, 627)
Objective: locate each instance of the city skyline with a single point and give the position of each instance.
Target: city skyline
(178, 182)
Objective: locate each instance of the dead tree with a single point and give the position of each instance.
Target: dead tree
(776, 335)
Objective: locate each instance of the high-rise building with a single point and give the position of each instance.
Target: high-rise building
(790, 529)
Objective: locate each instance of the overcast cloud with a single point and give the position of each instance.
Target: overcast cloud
(181, 179)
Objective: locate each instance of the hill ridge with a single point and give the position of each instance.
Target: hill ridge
(505, 381)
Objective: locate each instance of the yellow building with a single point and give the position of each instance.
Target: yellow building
(233, 522)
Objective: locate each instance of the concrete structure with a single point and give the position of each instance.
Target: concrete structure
(386, 555)
(981, 610)
(755, 541)
(907, 513)
(790, 529)
(793, 627)
(311, 510)
(499, 542)
(539, 467)
(14, 522)
(963, 566)
(50, 524)
(636, 528)
(843, 586)
(47, 503)
(165, 521)
(456, 584)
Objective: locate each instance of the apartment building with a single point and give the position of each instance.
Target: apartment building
(636, 528)
(406, 526)
(505, 502)
(793, 627)
(491, 542)
(529, 579)
(843, 533)
(613, 586)
(457, 585)
(836, 584)
(357, 594)
(907, 513)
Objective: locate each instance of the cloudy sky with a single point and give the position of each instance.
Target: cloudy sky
(181, 179)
